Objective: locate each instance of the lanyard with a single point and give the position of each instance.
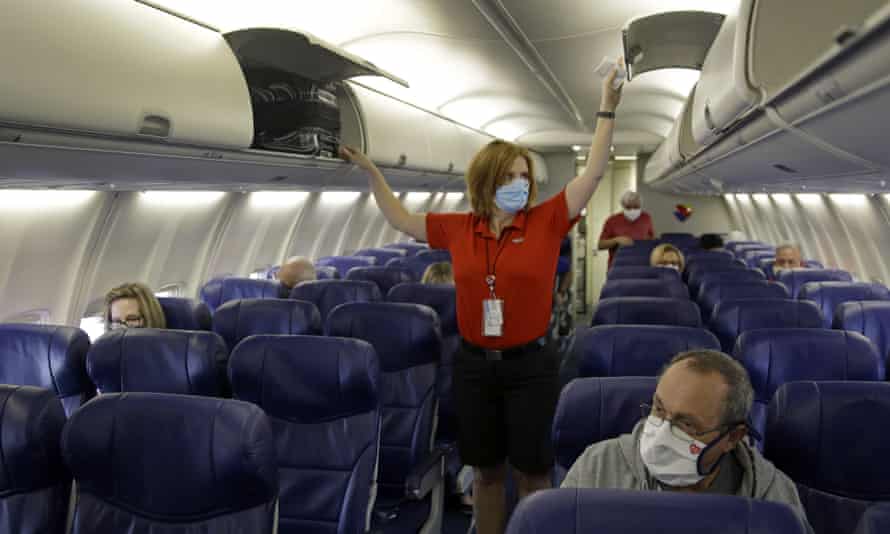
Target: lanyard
(490, 279)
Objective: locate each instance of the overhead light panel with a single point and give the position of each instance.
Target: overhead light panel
(277, 199)
(849, 199)
(181, 198)
(339, 197)
(23, 199)
(576, 148)
(625, 158)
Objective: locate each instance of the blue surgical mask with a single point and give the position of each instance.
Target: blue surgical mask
(513, 196)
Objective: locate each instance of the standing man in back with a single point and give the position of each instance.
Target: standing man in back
(622, 229)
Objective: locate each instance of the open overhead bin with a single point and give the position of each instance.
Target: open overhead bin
(675, 39)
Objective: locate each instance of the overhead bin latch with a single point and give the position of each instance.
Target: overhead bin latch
(155, 126)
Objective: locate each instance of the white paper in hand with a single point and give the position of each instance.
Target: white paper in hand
(606, 66)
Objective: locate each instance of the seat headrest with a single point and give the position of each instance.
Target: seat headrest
(442, 298)
(344, 263)
(328, 294)
(326, 273)
(732, 245)
(713, 292)
(185, 314)
(173, 457)
(217, 292)
(872, 319)
(47, 356)
(828, 295)
(159, 361)
(416, 265)
(636, 350)
(385, 277)
(647, 310)
(591, 410)
(238, 319)
(642, 272)
(381, 255)
(434, 255)
(404, 335)
(644, 512)
(410, 248)
(306, 379)
(734, 276)
(774, 356)
(732, 317)
(31, 423)
(754, 259)
(644, 288)
(875, 520)
(695, 271)
(631, 261)
(796, 278)
(717, 255)
(831, 436)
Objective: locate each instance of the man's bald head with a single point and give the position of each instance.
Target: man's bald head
(296, 270)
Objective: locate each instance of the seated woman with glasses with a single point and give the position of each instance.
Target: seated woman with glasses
(133, 305)
(667, 255)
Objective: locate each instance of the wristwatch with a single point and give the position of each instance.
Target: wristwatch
(605, 114)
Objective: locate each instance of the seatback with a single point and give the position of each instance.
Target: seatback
(645, 310)
(644, 288)
(323, 272)
(416, 265)
(750, 256)
(411, 249)
(731, 318)
(385, 277)
(35, 483)
(831, 438)
(695, 273)
(706, 255)
(328, 294)
(733, 276)
(711, 293)
(733, 245)
(321, 397)
(408, 343)
(381, 255)
(756, 260)
(177, 464)
(794, 279)
(643, 273)
(435, 255)
(875, 520)
(47, 356)
(636, 350)
(871, 319)
(829, 295)
(741, 250)
(631, 260)
(239, 319)
(595, 409)
(775, 356)
(609, 511)
(344, 263)
(217, 292)
(185, 314)
(159, 361)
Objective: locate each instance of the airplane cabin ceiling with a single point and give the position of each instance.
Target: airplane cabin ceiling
(460, 65)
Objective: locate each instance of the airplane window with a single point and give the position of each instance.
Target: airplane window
(93, 325)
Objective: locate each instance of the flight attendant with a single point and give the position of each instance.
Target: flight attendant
(504, 254)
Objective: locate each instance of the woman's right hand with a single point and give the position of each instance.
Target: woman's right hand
(356, 157)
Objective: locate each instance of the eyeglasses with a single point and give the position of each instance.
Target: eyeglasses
(130, 321)
(681, 430)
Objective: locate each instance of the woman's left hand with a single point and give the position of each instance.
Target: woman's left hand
(611, 96)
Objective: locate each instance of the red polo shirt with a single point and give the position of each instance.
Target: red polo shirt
(618, 225)
(525, 269)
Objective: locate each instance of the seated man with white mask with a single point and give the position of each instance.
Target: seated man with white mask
(622, 229)
(692, 439)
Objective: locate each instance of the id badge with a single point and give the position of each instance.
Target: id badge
(493, 317)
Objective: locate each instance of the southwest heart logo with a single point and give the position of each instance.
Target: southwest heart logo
(694, 449)
(683, 212)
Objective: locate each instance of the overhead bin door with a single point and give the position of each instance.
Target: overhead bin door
(678, 39)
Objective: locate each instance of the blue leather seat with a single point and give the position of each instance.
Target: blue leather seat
(217, 292)
(706, 255)
(637, 350)
(344, 263)
(416, 265)
(767, 266)
(443, 299)
(695, 273)
(35, 484)
(756, 259)
(385, 277)
(829, 295)
(159, 361)
(733, 245)
(641, 247)
(185, 314)
(831, 439)
(875, 520)
(775, 356)
(794, 279)
(410, 248)
(871, 319)
(46, 356)
(595, 511)
(630, 261)
(646, 310)
(326, 273)
(328, 294)
(741, 250)
(731, 318)
(437, 255)
(239, 319)
(710, 260)
(643, 272)
(177, 464)
(711, 293)
(591, 410)
(381, 255)
(408, 342)
(322, 398)
(750, 255)
(731, 276)
(644, 288)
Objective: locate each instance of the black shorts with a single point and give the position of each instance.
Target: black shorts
(505, 408)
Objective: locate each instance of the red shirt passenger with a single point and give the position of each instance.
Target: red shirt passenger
(622, 229)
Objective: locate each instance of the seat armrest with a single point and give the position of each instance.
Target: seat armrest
(427, 474)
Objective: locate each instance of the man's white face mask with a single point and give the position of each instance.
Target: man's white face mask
(671, 455)
(632, 215)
